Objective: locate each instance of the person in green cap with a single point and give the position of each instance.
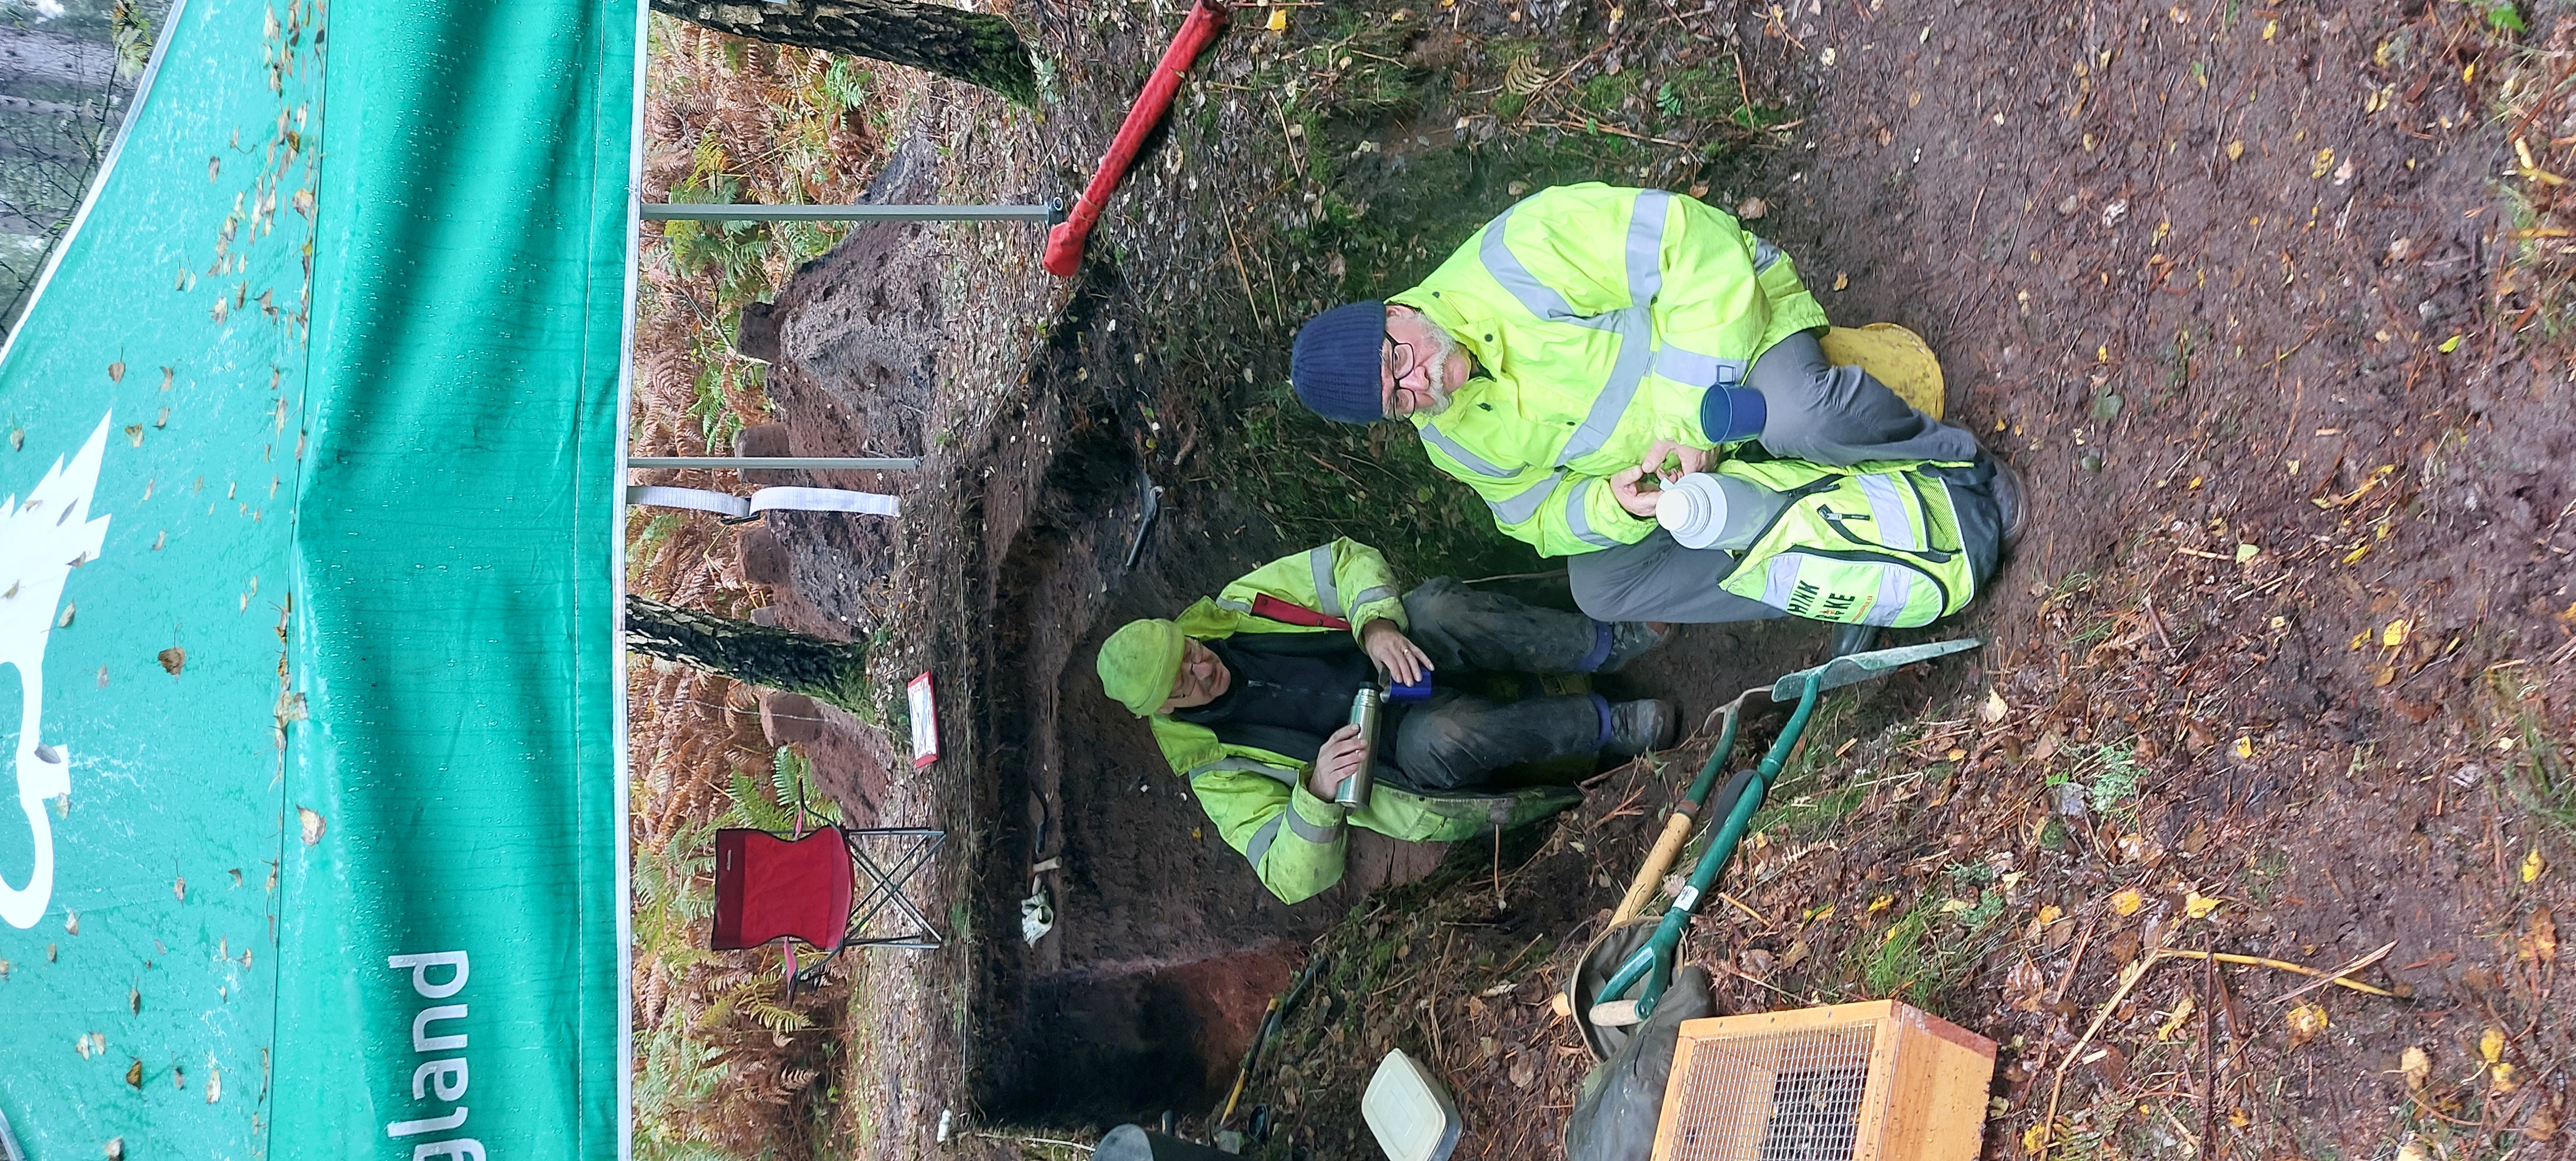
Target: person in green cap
(1249, 695)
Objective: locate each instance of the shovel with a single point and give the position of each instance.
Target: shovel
(1646, 971)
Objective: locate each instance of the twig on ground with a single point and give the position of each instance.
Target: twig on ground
(2337, 976)
(2259, 961)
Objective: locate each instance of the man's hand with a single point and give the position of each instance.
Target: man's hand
(1691, 457)
(1339, 759)
(1394, 652)
(1625, 487)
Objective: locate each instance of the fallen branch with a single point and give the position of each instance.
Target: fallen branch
(2337, 976)
(2259, 961)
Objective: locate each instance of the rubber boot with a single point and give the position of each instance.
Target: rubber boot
(1639, 726)
(1850, 639)
(2008, 502)
(1630, 640)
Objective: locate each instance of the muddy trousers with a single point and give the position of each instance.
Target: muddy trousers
(1656, 579)
(1459, 740)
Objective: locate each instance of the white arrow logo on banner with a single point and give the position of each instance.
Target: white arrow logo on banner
(40, 540)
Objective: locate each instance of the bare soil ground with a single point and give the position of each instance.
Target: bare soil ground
(2233, 286)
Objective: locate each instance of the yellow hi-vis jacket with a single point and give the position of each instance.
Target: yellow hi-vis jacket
(1600, 315)
(1257, 796)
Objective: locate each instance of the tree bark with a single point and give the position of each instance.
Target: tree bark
(46, 58)
(33, 107)
(974, 47)
(834, 672)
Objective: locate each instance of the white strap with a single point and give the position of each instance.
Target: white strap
(792, 499)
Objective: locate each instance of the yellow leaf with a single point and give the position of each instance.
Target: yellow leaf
(2532, 865)
(2360, 639)
(2173, 1023)
(1278, 20)
(2412, 1150)
(1841, 280)
(1881, 903)
(2235, 149)
(2127, 901)
(2417, 1066)
(2271, 28)
(2451, 344)
(2034, 1138)
(2491, 1046)
(2198, 906)
(2395, 634)
(2049, 913)
(2246, 552)
(2306, 1021)
(2323, 161)
(2502, 1073)
(2245, 747)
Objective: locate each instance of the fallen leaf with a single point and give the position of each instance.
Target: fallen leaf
(2127, 901)
(174, 659)
(1752, 209)
(312, 825)
(2306, 1021)
(2323, 161)
(1841, 280)
(2418, 1067)
(1994, 709)
(2246, 552)
(1523, 1073)
(2491, 1046)
(1881, 903)
(2451, 344)
(2532, 865)
(2035, 1138)
(2182, 1012)
(116, 371)
(2544, 935)
(1278, 20)
(134, 1074)
(2501, 1072)
(116, 1149)
(2235, 149)
(2198, 906)
(2394, 636)
(2245, 747)
(2412, 1150)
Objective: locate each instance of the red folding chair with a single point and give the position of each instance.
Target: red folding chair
(805, 889)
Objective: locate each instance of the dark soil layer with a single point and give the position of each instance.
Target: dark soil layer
(2227, 284)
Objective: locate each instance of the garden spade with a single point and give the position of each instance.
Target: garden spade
(1629, 996)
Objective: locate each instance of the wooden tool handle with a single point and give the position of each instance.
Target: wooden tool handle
(1668, 846)
(1616, 1014)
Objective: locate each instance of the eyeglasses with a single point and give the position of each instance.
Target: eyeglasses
(1400, 365)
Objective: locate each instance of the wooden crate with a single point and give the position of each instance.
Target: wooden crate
(1876, 1081)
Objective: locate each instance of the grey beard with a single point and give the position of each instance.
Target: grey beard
(1443, 348)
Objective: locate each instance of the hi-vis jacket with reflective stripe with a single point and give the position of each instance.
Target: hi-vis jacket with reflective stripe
(1871, 544)
(1257, 797)
(1600, 316)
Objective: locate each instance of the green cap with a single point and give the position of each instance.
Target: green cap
(1138, 663)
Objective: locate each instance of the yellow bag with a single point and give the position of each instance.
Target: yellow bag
(1894, 356)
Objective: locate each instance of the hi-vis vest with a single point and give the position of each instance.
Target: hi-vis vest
(1873, 544)
(1252, 783)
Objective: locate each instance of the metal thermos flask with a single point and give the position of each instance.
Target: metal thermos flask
(1354, 790)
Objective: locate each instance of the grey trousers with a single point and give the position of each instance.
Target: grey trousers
(1656, 579)
(1825, 414)
(1458, 740)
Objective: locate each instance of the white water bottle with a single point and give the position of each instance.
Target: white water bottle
(1703, 510)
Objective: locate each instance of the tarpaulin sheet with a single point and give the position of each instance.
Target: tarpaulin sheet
(308, 598)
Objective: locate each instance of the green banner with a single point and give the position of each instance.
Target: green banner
(309, 531)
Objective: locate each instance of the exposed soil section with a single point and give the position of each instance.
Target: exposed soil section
(2292, 617)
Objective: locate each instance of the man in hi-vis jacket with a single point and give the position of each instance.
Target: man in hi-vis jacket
(1592, 335)
(1249, 694)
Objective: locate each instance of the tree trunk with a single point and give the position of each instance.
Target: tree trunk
(973, 47)
(834, 672)
(36, 108)
(27, 55)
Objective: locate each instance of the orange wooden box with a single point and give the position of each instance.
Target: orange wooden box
(1876, 1081)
